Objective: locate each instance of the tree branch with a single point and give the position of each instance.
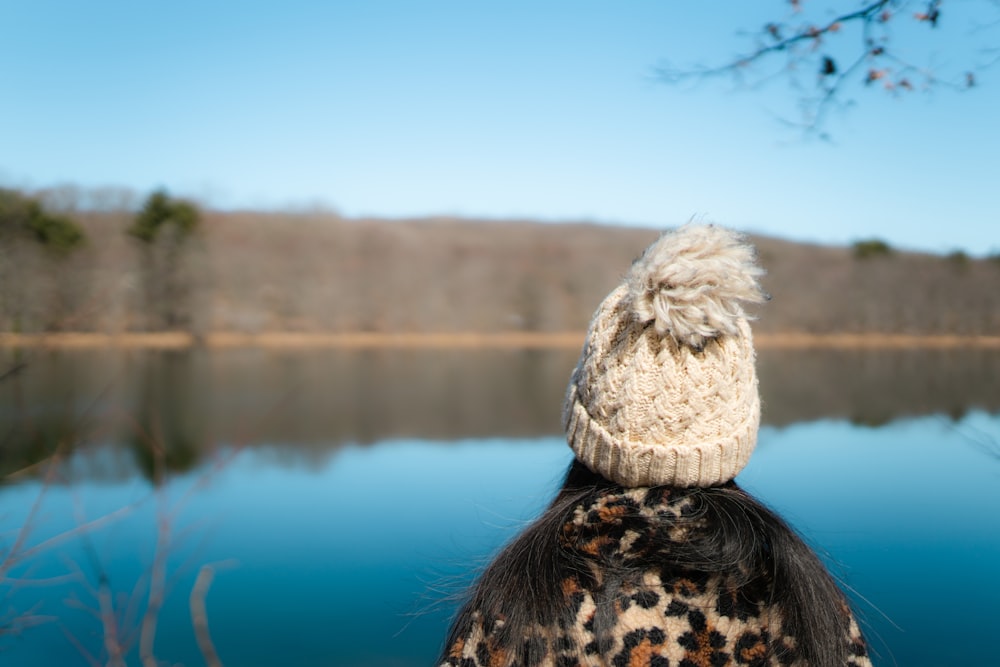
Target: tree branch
(199, 616)
(874, 60)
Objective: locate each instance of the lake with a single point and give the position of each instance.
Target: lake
(340, 498)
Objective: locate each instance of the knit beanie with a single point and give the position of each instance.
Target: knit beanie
(665, 391)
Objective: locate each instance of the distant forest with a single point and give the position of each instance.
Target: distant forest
(316, 271)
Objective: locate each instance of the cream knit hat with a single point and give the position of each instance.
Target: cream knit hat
(665, 391)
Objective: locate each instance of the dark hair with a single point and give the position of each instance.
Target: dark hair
(731, 534)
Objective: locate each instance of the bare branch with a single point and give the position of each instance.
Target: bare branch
(55, 540)
(109, 623)
(80, 648)
(808, 33)
(199, 616)
(18, 622)
(13, 370)
(156, 596)
(875, 61)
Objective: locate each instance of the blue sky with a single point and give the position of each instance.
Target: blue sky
(517, 109)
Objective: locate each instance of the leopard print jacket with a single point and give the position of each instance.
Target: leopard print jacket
(660, 617)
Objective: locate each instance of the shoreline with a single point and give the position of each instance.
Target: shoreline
(468, 340)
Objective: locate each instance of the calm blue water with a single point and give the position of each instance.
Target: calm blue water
(344, 558)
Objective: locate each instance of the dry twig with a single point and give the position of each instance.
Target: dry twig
(874, 60)
(199, 616)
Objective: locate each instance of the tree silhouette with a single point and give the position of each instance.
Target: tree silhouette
(24, 217)
(164, 228)
(32, 239)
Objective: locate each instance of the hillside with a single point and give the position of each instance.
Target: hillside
(318, 272)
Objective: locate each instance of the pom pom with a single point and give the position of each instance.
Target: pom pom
(691, 284)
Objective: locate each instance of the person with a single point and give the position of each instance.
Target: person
(651, 555)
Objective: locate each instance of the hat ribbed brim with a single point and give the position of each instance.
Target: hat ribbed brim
(654, 464)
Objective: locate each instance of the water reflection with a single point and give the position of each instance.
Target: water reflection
(875, 387)
(193, 401)
(342, 562)
(335, 491)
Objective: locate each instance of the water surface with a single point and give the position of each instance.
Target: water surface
(342, 550)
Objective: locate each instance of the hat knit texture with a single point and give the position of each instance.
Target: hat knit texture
(665, 392)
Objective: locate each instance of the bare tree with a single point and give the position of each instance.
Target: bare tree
(829, 51)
